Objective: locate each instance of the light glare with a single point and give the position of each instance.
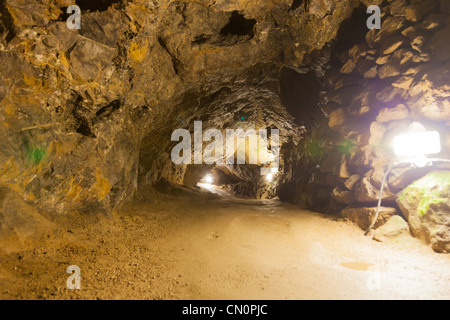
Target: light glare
(418, 143)
(209, 179)
(269, 177)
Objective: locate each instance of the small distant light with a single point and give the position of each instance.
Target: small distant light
(269, 177)
(209, 179)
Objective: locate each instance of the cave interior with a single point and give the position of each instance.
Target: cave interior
(268, 124)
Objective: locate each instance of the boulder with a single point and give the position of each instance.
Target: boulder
(433, 22)
(366, 192)
(416, 11)
(400, 178)
(398, 7)
(351, 182)
(391, 25)
(342, 195)
(399, 112)
(363, 216)
(426, 205)
(391, 44)
(382, 60)
(337, 119)
(403, 82)
(394, 228)
(371, 73)
(377, 132)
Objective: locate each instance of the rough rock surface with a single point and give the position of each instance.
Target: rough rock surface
(86, 115)
(363, 216)
(393, 229)
(426, 205)
(382, 83)
(75, 105)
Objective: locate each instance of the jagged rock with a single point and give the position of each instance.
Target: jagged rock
(403, 82)
(416, 11)
(418, 43)
(398, 7)
(377, 132)
(394, 228)
(423, 57)
(371, 73)
(389, 94)
(391, 44)
(433, 22)
(425, 105)
(400, 178)
(19, 222)
(345, 171)
(390, 69)
(366, 192)
(343, 196)
(351, 182)
(411, 32)
(85, 112)
(363, 216)
(391, 25)
(59, 38)
(382, 60)
(91, 61)
(399, 112)
(337, 119)
(357, 50)
(395, 64)
(349, 67)
(425, 204)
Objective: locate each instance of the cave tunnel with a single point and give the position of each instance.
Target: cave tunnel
(219, 150)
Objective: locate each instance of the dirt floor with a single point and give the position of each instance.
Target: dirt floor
(206, 246)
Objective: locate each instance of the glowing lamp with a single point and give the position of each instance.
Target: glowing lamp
(417, 143)
(413, 148)
(209, 179)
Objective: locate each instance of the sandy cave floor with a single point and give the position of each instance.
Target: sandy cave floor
(205, 246)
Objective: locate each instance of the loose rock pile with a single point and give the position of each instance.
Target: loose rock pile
(398, 76)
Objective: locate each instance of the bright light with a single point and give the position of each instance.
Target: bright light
(269, 177)
(417, 143)
(209, 179)
(420, 161)
(274, 170)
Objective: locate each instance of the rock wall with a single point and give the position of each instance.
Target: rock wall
(377, 89)
(76, 104)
